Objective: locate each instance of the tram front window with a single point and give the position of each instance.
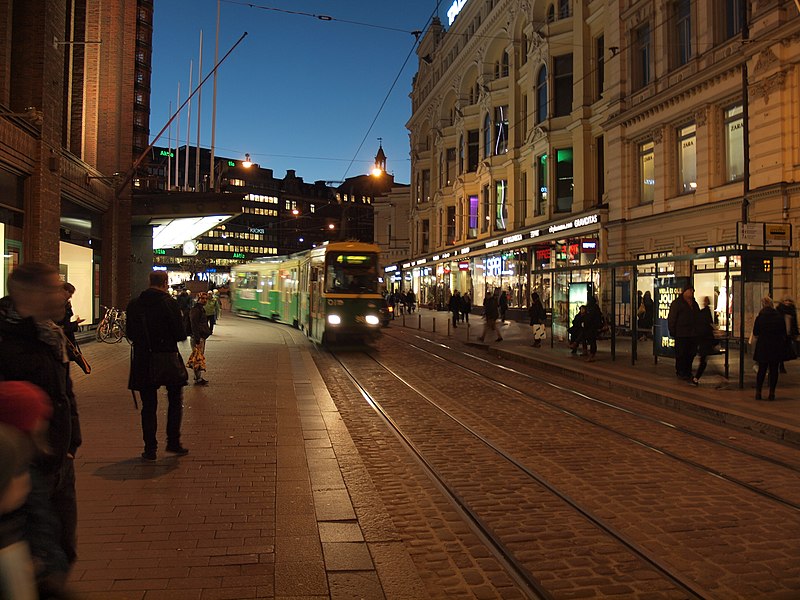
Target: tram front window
(351, 274)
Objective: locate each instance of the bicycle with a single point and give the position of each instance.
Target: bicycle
(111, 329)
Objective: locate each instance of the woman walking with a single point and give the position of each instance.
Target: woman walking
(200, 332)
(538, 317)
(769, 330)
(705, 338)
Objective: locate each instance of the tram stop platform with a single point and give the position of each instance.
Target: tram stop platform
(717, 398)
(271, 502)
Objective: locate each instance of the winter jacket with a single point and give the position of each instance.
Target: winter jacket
(199, 322)
(536, 313)
(682, 318)
(455, 303)
(770, 331)
(705, 332)
(490, 310)
(154, 323)
(789, 313)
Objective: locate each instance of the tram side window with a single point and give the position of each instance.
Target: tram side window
(351, 273)
(247, 281)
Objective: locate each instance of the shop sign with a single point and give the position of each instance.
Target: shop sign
(463, 266)
(390, 269)
(160, 251)
(493, 243)
(666, 290)
(543, 254)
(407, 265)
(465, 250)
(445, 254)
(512, 238)
(238, 255)
(589, 246)
(778, 235)
(257, 230)
(454, 9)
(575, 224)
(535, 233)
(494, 265)
(422, 261)
(447, 269)
(166, 153)
(159, 268)
(435, 257)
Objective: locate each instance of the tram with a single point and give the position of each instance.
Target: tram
(329, 292)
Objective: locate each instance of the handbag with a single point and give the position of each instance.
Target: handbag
(75, 355)
(539, 331)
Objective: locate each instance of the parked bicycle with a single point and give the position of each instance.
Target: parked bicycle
(111, 329)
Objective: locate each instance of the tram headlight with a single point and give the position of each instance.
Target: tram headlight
(334, 319)
(372, 320)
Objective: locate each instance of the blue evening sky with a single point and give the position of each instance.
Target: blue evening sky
(299, 92)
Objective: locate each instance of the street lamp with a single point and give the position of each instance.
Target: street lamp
(246, 162)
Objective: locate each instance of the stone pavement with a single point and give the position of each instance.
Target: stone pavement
(272, 501)
(717, 399)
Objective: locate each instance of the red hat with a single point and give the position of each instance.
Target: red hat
(23, 405)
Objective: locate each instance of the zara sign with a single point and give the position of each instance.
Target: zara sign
(454, 9)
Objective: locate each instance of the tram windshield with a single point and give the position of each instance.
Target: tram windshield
(351, 273)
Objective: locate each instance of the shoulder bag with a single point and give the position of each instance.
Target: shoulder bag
(75, 355)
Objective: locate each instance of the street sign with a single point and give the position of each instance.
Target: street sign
(751, 234)
(778, 235)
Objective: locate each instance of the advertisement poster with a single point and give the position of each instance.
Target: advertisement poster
(666, 290)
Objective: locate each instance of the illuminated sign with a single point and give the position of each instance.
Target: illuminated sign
(407, 265)
(435, 257)
(446, 255)
(160, 251)
(589, 245)
(390, 269)
(257, 230)
(464, 251)
(463, 266)
(422, 261)
(512, 238)
(238, 255)
(492, 244)
(580, 222)
(158, 268)
(231, 163)
(666, 291)
(454, 9)
(166, 153)
(536, 233)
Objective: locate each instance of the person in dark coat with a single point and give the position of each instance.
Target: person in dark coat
(411, 301)
(154, 324)
(466, 306)
(490, 314)
(788, 310)
(705, 338)
(538, 317)
(33, 349)
(454, 306)
(576, 332)
(502, 305)
(184, 301)
(592, 323)
(769, 330)
(69, 326)
(645, 322)
(682, 323)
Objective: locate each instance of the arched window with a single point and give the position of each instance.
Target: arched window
(487, 136)
(541, 95)
(563, 9)
(497, 69)
(551, 13)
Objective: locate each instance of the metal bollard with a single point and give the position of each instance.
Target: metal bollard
(420, 322)
(467, 330)
(448, 327)
(434, 325)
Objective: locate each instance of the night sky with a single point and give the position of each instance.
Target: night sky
(299, 92)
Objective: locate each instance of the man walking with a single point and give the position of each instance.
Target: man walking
(682, 323)
(490, 314)
(154, 325)
(33, 349)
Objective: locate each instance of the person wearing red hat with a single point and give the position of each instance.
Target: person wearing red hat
(33, 349)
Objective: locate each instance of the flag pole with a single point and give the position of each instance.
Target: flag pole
(199, 96)
(212, 184)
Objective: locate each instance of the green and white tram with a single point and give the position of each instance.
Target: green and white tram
(329, 292)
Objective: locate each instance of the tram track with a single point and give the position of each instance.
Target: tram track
(790, 503)
(523, 570)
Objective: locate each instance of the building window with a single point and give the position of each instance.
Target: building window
(451, 225)
(523, 204)
(564, 180)
(461, 152)
(426, 185)
(473, 217)
(687, 140)
(450, 166)
(487, 136)
(504, 63)
(485, 209)
(600, 167)
(541, 185)
(647, 172)
(500, 130)
(524, 115)
(641, 56)
(683, 31)
(473, 146)
(551, 13)
(730, 12)
(426, 235)
(562, 85)
(563, 9)
(734, 143)
(441, 170)
(501, 205)
(541, 95)
(600, 72)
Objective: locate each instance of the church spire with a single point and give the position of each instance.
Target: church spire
(380, 157)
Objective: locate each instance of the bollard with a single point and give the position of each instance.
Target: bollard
(434, 325)
(448, 327)
(404, 320)
(467, 330)
(420, 322)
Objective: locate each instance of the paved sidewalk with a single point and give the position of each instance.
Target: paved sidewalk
(717, 398)
(272, 501)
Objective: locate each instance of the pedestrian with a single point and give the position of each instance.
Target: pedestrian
(69, 326)
(184, 301)
(201, 331)
(682, 324)
(592, 323)
(769, 331)
(705, 338)
(411, 301)
(576, 337)
(502, 305)
(33, 349)
(645, 316)
(155, 327)
(454, 306)
(538, 318)
(789, 312)
(490, 314)
(466, 307)
(211, 306)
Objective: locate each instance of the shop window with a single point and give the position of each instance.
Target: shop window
(600, 67)
(641, 58)
(501, 205)
(500, 130)
(687, 141)
(472, 232)
(541, 95)
(541, 185)
(473, 145)
(734, 143)
(562, 85)
(487, 136)
(485, 209)
(682, 32)
(451, 225)
(564, 180)
(647, 181)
